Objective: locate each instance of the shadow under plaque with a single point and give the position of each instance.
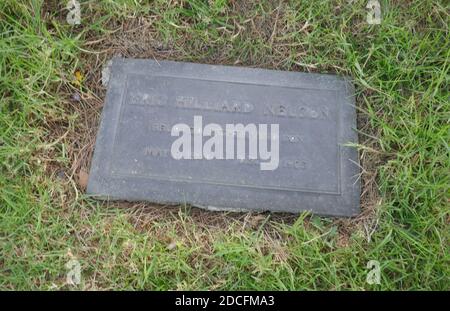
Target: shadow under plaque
(315, 170)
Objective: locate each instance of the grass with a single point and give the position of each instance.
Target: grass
(401, 73)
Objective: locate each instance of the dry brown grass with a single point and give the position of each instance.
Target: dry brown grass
(137, 37)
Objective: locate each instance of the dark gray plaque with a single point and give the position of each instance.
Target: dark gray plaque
(317, 171)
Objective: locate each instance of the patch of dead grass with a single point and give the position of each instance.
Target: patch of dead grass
(138, 38)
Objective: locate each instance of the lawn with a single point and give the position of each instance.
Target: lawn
(50, 102)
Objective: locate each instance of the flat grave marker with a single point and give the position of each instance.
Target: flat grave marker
(315, 170)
